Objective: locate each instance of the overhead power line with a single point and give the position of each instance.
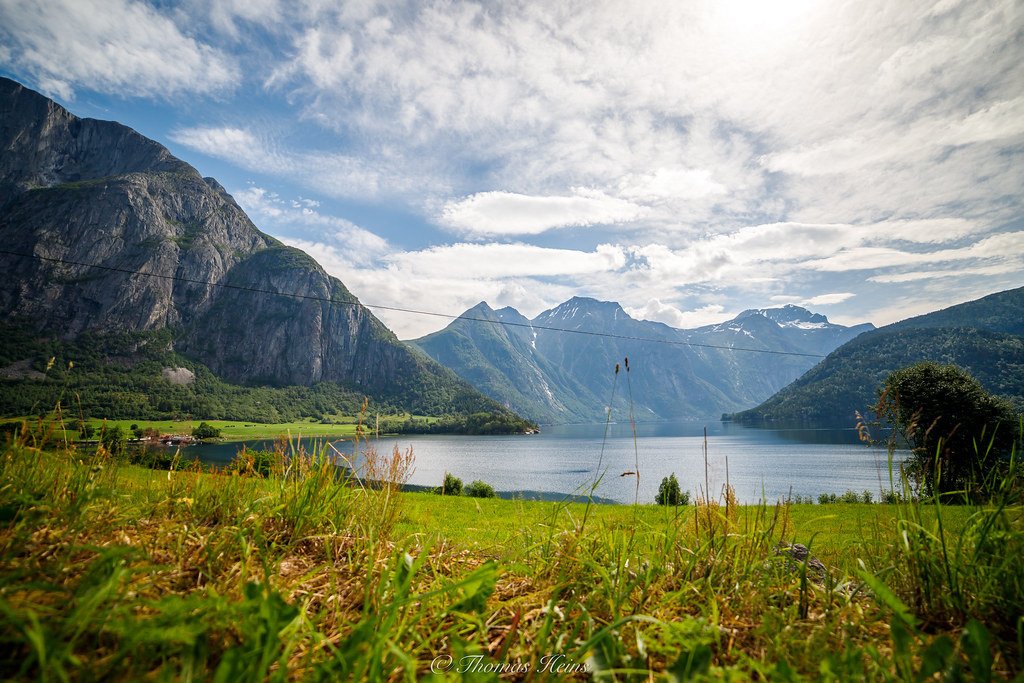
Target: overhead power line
(381, 307)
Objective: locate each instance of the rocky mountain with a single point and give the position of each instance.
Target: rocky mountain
(986, 337)
(559, 367)
(502, 362)
(79, 191)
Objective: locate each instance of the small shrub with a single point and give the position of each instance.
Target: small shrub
(710, 519)
(866, 497)
(849, 497)
(669, 493)
(890, 497)
(205, 431)
(480, 489)
(114, 440)
(85, 430)
(827, 498)
(452, 485)
(257, 463)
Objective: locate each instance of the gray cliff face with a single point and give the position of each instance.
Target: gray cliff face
(42, 145)
(97, 192)
(168, 224)
(247, 336)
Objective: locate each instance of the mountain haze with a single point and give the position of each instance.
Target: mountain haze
(560, 366)
(80, 191)
(986, 337)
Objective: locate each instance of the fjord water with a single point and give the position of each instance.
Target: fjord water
(762, 463)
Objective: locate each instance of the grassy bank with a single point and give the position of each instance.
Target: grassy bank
(231, 430)
(109, 571)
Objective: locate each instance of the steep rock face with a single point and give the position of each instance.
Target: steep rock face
(45, 145)
(168, 224)
(96, 192)
(250, 335)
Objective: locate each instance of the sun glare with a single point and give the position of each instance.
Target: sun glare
(761, 16)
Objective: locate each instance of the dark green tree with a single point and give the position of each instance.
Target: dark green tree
(85, 430)
(669, 493)
(114, 440)
(958, 432)
(452, 485)
(480, 489)
(205, 431)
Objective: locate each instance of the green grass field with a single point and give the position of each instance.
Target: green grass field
(111, 571)
(838, 534)
(232, 430)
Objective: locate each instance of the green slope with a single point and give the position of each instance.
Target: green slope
(122, 376)
(986, 337)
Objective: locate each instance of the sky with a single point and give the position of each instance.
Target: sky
(687, 159)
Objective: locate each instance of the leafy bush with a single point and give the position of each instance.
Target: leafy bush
(160, 458)
(452, 485)
(669, 493)
(85, 430)
(958, 432)
(206, 431)
(891, 497)
(114, 440)
(479, 489)
(256, 463)
(826, 498)
(849, 497)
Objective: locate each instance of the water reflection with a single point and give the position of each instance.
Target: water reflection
(758, 461)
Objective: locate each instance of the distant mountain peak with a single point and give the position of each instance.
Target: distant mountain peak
(511, 315)
(534, 367)
(789, 315)
(482, 309)
(579, 306)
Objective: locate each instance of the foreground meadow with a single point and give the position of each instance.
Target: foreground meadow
(114, 572)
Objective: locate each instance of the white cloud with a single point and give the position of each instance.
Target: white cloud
(226, 15)
(505, 213)
(333, 174)
(671, 183)
(782, 249)
(693, 114)
(999, 247)
(659, 311)
(114, 46)
(235, 144)
(449, 280)
(471, 261)
(273, 213)
(1012, 264)
(828, 299)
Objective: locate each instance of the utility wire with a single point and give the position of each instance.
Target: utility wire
(339, 302)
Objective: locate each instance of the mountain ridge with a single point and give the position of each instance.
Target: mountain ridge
(984, 336)
(677, 372)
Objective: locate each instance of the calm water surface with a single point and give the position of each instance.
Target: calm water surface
(768, 463)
